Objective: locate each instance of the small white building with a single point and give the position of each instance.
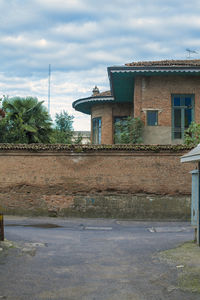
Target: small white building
(85, 136)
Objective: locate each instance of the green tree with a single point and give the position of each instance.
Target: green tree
(2, 113)
(128, 131)
(63, 131)
(192, 135)
(26, 121)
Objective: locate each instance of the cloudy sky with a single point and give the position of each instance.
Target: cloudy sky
(81, 38)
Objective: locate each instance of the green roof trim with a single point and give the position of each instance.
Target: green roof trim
(84, 105)
(122, 77)
(123, 87)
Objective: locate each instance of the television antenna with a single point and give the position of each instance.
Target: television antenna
(189, 52)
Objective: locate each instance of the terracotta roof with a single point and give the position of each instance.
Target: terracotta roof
(167, 63)
(106, 93)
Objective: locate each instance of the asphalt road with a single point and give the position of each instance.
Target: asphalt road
(90, 259)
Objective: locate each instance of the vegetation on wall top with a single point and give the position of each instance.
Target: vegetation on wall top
(92, 148)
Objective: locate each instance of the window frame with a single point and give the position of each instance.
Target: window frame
(147, 119)
(181, 107)
(96, 136)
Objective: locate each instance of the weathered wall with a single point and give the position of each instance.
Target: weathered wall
(32, 200)
(158, 135)
(125, 183)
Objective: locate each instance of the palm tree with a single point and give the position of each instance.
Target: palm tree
(29, 121)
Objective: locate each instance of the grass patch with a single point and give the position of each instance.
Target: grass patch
(187, 256)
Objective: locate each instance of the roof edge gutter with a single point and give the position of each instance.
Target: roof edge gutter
(95, 99)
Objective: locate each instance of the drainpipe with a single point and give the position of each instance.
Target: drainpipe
(2, 115)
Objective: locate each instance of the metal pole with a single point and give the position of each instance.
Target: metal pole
(49, 90)
(198, 208)
(1, 227)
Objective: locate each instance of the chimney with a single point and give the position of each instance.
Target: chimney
(95, 91)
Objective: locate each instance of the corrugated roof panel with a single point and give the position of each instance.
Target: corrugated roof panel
(192, 156)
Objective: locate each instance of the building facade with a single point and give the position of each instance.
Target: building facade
(165, 95)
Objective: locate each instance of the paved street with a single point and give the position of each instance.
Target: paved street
(90, 259)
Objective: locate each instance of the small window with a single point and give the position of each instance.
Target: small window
(152, 117)
(96, 131)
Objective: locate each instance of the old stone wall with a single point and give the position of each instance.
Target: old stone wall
(103, 182)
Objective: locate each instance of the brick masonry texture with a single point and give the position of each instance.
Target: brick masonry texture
(132, 184)
(153, 84)
(155, 92)
(150, 92)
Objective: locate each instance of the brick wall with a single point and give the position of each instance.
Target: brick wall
(155, 92)
(66, 181)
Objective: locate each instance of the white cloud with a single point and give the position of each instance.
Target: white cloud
(24, 41)
(62, 5)
(65, 88)
(77, 30)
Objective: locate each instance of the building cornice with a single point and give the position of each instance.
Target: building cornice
(84, 104)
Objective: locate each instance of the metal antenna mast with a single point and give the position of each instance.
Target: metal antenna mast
(49, 90)
(189, 51)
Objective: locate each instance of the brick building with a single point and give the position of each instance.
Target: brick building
(164, 94)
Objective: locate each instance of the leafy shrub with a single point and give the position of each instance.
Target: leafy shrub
(192, 135)
(128, 131)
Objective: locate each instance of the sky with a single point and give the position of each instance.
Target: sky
(81, 38)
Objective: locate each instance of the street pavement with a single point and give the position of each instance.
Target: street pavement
(90, 259)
